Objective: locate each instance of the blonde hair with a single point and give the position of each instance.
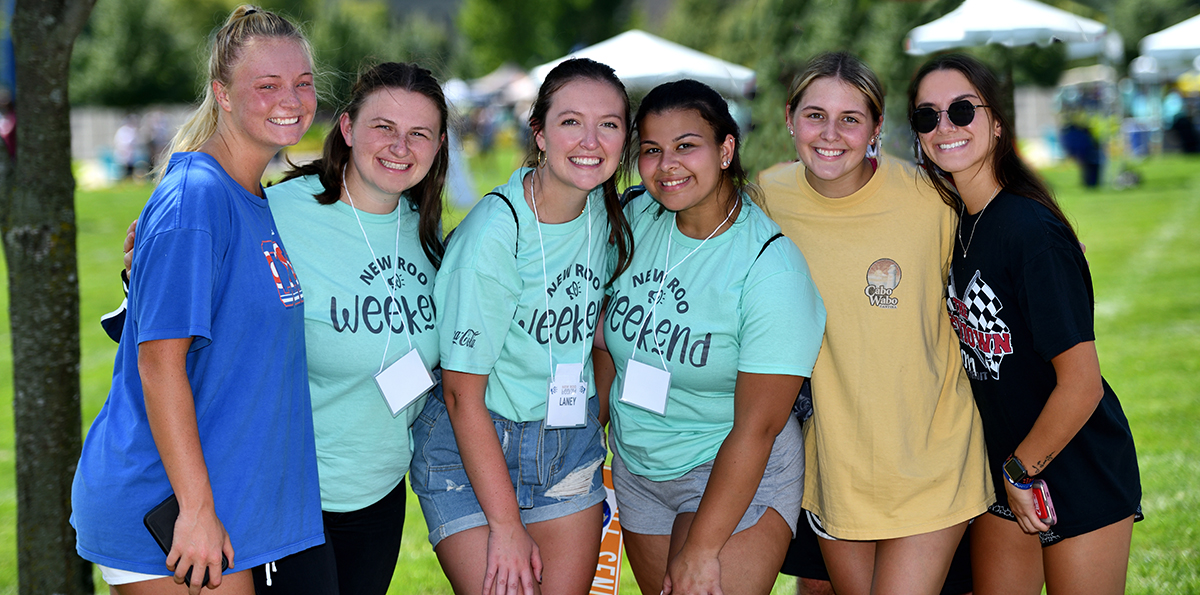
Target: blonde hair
(842, 66)
(245, 23)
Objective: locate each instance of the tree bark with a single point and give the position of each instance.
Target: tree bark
(38, 225)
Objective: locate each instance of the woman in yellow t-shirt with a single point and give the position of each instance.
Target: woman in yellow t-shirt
(896, 463)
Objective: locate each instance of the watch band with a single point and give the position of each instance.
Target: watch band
(1015, 473)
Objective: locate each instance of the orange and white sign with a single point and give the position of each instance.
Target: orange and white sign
(608, 569)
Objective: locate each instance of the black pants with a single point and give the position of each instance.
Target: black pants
(358, 557)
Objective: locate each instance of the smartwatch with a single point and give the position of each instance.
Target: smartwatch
(1015, 473)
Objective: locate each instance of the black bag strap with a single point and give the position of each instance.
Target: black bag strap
(631, 193)
(446, 242)
(768, 243)
(513, 210)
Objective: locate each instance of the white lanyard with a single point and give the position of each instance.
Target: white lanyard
(661, 282)
(587, 285)
(408, 332)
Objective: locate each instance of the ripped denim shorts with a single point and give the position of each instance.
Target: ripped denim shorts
(555, 473)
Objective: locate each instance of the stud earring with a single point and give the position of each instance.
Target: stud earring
(791, 132)
(724, 164)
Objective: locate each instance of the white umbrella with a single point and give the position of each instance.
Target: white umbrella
(1006, 22)
(642, 61)
(1178, 43)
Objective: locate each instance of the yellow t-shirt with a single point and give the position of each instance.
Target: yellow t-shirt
(895, 445)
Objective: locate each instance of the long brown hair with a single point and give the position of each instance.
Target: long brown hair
(566, 72)
(426, 196)
(1011, 172)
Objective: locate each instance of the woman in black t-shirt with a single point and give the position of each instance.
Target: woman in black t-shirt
(1020, 297)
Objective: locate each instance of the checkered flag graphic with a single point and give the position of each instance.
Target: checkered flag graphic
(983, 314)
(983, 307)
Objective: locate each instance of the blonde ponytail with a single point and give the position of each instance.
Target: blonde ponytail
(245, 23)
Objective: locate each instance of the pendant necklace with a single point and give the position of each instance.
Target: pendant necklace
(962, 213)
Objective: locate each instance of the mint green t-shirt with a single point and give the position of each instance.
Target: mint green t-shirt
(492, 305)
(362, 451)
(724, 310)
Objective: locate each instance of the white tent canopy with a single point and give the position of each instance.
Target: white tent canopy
(1006, 22)
(643, 61)
(1178, 43)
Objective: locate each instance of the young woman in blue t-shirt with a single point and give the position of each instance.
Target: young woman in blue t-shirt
(1020, 298)
(363, 227)
(210, 398)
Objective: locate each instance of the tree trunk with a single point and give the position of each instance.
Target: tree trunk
(38, 225)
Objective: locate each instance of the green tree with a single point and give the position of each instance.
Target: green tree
(351, 34)
(139, 52)
(530, 32)
(777, 37)
(134, 52)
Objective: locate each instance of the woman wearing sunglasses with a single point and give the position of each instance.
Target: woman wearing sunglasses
(1020, 297)
(895, 454)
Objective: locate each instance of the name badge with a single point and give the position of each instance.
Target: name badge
(403, 382)
(646, 387)
(566, 398)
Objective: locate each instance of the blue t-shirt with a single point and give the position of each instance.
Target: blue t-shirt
(362, 451)
(492, 304)
(722, 310)
(208, 265)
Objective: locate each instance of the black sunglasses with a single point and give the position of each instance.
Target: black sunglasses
(961, 113)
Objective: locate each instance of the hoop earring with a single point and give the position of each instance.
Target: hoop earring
(873, 148)
(541, 159)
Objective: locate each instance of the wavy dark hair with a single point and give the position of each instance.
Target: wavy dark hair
(568, 71)
(1011, 172)
(425, 197)
(688, 94)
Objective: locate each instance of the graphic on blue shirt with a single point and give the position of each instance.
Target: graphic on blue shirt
(285, 276)
(976, 318)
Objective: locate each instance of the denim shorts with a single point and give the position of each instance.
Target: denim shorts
(650, 507)
(555, 473)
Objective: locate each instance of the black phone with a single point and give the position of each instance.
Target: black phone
(160, 521)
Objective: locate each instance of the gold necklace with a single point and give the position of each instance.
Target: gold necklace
(963, 212)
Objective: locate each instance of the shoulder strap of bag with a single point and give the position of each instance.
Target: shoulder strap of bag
(513, 210)
(767, 243)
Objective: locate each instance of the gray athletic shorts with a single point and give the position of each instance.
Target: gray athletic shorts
(649, 507)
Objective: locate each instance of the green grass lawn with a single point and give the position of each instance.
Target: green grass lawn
(1142, 245)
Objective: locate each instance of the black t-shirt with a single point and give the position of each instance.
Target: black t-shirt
(1021, 296)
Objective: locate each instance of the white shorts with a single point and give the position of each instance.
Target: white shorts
(114, 576)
